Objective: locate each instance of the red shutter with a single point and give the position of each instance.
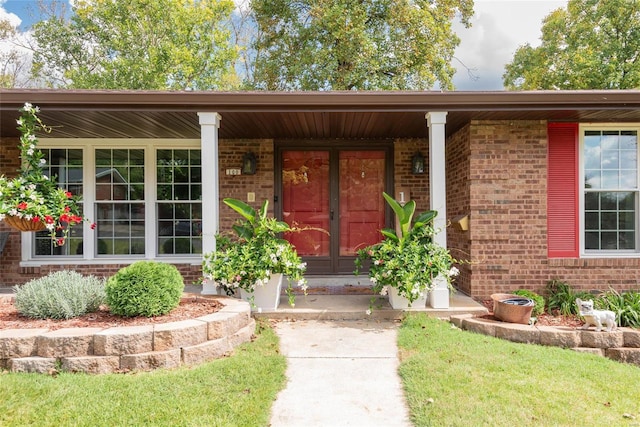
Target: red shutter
(562, 191)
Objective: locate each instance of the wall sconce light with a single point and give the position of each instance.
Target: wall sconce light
(417, 163)
(249, 164)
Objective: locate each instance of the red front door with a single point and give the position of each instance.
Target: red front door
(337, 195)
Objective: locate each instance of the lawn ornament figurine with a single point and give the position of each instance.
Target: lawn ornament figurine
(596, 317)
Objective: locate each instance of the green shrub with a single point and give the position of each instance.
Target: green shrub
(145, 288)
(625, 305)
(561, 297)
(538, 308)
(60, 295)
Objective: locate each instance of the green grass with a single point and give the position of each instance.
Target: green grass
(476, 380)
(235, 391)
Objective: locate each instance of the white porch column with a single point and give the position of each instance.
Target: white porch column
(436, 120)
(209, 125)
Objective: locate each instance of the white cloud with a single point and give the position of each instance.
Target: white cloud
(499, 27)
(11, 17)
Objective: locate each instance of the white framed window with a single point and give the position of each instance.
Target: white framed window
(123, 184)
(179, 201)
(609, 190)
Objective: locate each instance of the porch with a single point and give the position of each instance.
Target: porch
(348, 297)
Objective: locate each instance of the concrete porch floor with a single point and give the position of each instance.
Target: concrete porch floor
(348, 297)
(354, 307)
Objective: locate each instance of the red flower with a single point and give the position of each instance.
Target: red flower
(67, 208)
(60, 241)
(49, 219)
(76, 218)
(35, 219)
(22, 205)
(93, 225)
(65, 218)
(68, 194)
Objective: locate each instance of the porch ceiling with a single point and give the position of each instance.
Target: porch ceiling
(306, 115)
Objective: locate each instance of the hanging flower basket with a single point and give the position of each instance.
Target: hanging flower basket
(23, 224)
(33, 200)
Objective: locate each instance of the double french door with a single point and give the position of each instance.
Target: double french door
(336, 194)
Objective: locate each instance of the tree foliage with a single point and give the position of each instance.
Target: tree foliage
(15, 61)
(137, 44)
(589, 45)
(356, 44)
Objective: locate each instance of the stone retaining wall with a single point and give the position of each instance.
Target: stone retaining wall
(99, 351)
(622, 345)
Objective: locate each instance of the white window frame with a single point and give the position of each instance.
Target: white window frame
(89, 256)
(584, 253)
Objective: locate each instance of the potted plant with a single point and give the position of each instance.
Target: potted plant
(33, 201)
(257, 259)
(406, 263)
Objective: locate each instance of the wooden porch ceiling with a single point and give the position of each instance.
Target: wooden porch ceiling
(317, 115)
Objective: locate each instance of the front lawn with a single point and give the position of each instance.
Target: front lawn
(457, 378)
(235, 391)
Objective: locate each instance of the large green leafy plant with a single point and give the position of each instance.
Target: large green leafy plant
(256, 252)
(34, 196)
(408, 260)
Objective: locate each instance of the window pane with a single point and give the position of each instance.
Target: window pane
(610, 179)
(592, 241)
(592, 221)
(592, 201)
(627, 201)
(592, 179)
(626, 221)
(179, 224)
(627, 240)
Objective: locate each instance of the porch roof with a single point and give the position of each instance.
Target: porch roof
(301, 115)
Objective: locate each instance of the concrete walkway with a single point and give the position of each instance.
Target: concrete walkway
(340, 374)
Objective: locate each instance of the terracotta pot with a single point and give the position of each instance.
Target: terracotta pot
(512, 308)
(22, 224)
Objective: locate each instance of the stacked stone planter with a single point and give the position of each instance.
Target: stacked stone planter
(121, 349)
(622, 345)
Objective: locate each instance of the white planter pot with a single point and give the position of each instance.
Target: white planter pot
(265, 297)
(399, 302)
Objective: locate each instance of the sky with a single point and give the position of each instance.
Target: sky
(499, 27)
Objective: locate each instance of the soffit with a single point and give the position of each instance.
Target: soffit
(315, 115)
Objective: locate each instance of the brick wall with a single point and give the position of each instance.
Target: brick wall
(458, 190)
(507, 204)
(10, 257)
(237, 186)
(418, 185)
(507, 182)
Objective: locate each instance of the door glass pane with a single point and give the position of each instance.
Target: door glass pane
(361, 203)
(305, 190)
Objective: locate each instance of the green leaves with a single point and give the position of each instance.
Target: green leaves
(138, 44)
(588, 45)
(356, 45)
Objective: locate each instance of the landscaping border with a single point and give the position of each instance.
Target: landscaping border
(622, 345)
(129, 348)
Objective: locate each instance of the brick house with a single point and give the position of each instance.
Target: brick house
(548, 181)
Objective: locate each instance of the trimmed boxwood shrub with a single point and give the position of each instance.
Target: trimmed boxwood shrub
(538, 308)
(145, 288)
(60, 295)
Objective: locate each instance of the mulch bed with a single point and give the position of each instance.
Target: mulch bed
(190, 307)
